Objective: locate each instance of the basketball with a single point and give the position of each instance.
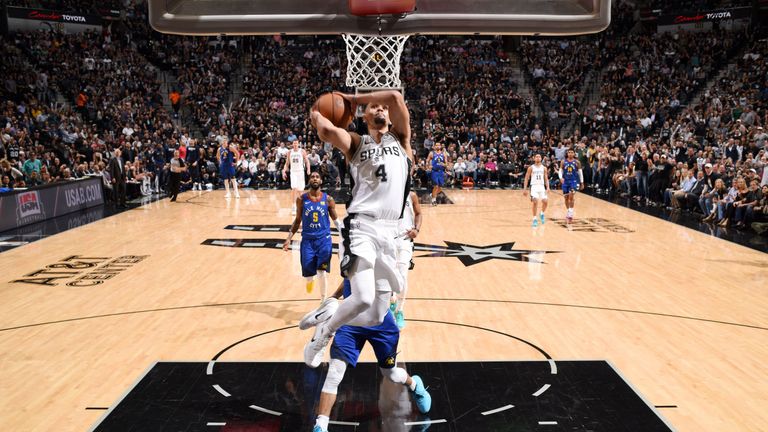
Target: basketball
(335, 108)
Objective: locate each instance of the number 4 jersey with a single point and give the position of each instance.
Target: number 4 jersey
(380, 175)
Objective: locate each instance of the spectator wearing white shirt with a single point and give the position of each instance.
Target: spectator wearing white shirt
(459, 169)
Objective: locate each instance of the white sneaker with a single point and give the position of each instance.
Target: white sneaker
(293, 211)
(323, 313)
(227, 195)
(237, 195)
(315, 348)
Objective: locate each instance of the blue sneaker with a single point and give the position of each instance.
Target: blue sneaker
(535, 223)
(543, 219)
(421, 396)
(400, 319)
(392, 307)
(319, 429)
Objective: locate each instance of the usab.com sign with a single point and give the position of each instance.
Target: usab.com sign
(29, 208)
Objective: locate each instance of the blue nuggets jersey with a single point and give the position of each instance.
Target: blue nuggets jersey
(314, 218)
(226, 157)
(438, 161)
(570, 172)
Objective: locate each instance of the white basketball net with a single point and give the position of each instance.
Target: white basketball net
(374, 61)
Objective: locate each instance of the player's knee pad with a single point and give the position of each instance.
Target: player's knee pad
(395, 374)
(336, 369)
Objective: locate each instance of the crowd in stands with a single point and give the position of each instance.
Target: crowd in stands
(645, 137)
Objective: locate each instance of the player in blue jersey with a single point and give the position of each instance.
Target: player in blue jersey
(227, 155)
(345, 350)
(438, 160)
(313, 210)
(572, 179)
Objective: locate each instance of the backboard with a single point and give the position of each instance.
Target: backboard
(482, 17)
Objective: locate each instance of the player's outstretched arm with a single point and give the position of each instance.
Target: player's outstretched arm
(340, 138)
(296, 223)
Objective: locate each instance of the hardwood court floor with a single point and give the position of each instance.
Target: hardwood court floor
(682, 315)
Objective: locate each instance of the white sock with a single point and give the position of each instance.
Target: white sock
(234, 186)
(226, 186)
(321, 284)
(322, 421)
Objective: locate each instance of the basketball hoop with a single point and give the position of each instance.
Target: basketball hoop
(373, 62)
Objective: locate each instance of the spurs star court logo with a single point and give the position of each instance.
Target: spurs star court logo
(468, 254)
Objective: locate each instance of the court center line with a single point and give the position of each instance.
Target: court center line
(497, 410)
(541, 391)
(197, 306)
(264, 410)
(221, 390)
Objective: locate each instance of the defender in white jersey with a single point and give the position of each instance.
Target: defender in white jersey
(298, 162)
(409, 227)
(379, 166)
(537, 175)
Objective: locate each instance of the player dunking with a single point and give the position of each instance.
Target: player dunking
(345, 350)
(227, 156)
(379, 166)
(572, 179)
(438, 159)
(410, 225)
(298, 162)
(537, 174)
(314, 209)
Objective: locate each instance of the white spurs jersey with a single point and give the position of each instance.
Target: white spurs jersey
(297, 161)
(408, 221)
(537, 175)
(380, 176)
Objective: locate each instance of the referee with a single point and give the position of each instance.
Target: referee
(177, 166)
